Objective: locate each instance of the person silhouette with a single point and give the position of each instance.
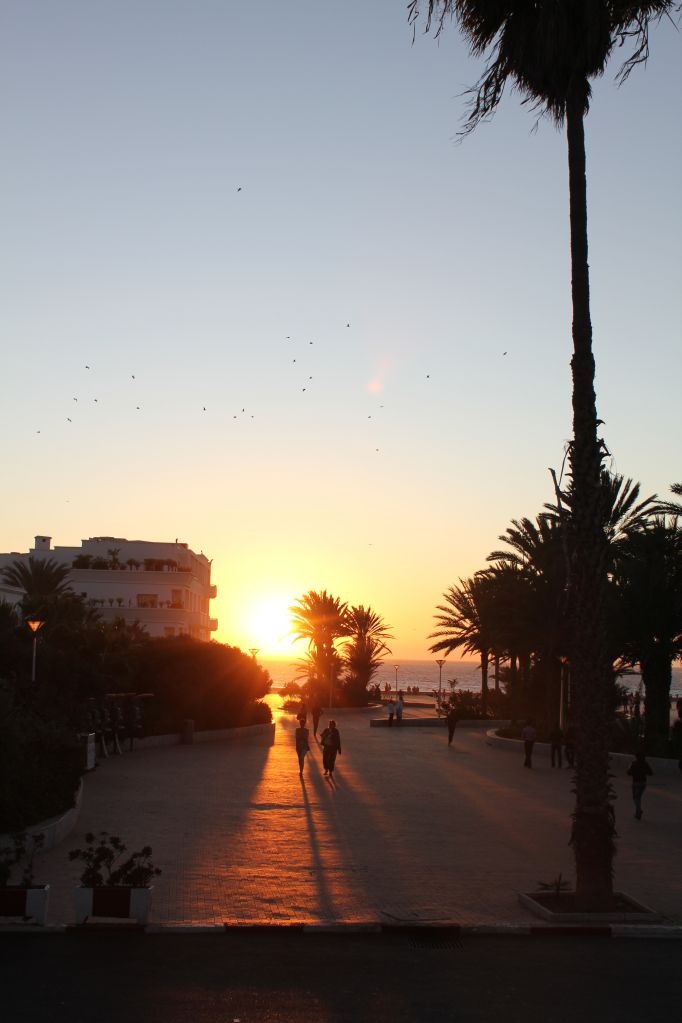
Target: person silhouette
(331, 745)
(529, 736)
(451, 719)
(639, 770)
(302, 737)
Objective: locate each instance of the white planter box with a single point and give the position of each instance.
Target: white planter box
(118, 901)
(28, 903)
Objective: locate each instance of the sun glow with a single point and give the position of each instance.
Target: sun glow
(266, 625)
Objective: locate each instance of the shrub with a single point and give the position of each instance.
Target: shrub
(102, 857)
(41, 764)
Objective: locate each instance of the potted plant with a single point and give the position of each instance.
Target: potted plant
(112, 884)
(26, 899)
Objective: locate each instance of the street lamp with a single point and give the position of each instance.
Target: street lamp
(440, 661)
(396, 666)
(253, 650)
(34, 625)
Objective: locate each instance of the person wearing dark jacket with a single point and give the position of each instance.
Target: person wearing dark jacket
(451, 719)
(639, 770)
(331, 745)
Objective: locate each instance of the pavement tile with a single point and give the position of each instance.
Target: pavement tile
(410, 831)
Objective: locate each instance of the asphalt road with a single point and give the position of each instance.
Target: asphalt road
(95, 976)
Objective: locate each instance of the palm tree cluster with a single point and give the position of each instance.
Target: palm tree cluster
(549, 51)
(321, 619)
(514, 613)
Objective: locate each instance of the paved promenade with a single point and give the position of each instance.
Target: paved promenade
(410, 831)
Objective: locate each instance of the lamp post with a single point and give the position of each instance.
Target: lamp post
(34, 625)
(253, 650)
(396, 666)
(440, 661)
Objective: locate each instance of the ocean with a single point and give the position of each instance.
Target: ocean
(424, 675)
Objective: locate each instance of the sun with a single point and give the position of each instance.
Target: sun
(267, 626)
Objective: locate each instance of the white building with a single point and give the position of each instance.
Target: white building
(166, 587)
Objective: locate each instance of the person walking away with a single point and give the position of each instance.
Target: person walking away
(529, 736)
(391, 711)
(302, 745)
(451, 719)
(639, 770)
(556, 737)
(569, 746)
(316, 712)
(302, 713)
(399, 707)
(331, 745)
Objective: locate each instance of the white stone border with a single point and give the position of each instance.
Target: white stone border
(661, 766)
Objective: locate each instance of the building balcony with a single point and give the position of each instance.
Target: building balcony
(213, 592)
(212, 624)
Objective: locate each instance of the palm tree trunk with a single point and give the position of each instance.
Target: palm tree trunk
(593, 819)
(656, 670)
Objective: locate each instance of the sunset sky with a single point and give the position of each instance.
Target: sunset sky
(308, 334)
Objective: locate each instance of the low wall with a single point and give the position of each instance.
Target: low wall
(265, 732)
(433, 722)
(662, 766)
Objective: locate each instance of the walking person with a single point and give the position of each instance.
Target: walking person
(451, 719)
(529, 736)
(556, 737)
(316, 712)
(302, 713)
(399, 707)
(639, 770)
(391, 711)
(331, 745)
(302, 736)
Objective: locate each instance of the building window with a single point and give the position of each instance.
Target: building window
(176, 599)
(147, 600)
(168, 631)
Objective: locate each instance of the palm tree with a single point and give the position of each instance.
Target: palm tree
(466, 621)
(648, 578)
(549, 52)
(320, 618)
(672, 507)
(536, 550)
(363, 652)
(42, 580)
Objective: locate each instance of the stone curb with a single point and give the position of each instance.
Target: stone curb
(454, 931)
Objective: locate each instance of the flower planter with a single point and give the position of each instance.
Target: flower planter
(562, 909)
(27, 903)
(121, 901)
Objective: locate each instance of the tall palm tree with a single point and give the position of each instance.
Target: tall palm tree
(549, 52)
(363, 651)
(320, 618)
(466, 621)
(42, 580)
(536, 550)
(648, 577)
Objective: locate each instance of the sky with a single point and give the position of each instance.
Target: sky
(254, 295)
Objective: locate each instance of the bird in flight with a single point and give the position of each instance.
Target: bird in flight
(239, 189)
(504, 353)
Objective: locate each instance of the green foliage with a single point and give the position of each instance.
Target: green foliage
(556, 886)
(24, 848)
(214, 684)
(40, 762)
(104, 863)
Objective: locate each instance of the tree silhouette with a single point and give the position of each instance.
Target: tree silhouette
(549, 52)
